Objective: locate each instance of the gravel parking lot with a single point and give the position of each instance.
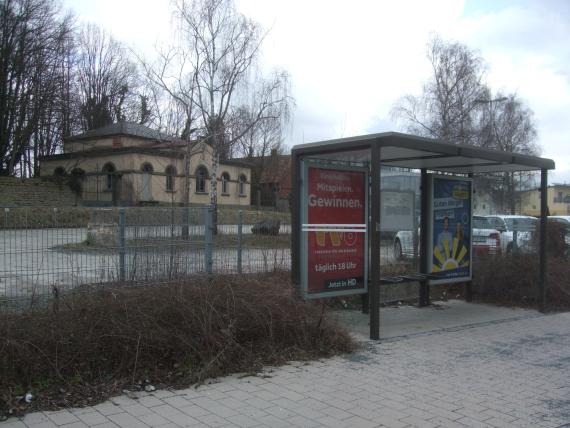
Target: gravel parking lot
(32, 261)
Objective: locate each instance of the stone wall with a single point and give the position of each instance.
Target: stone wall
(30, 192)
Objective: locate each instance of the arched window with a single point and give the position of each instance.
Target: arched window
(170, 172)
(225, 183)
(76, 183)
(59, 171)
(201, 177)
(77, 172)
(242, 182)
(109, 170)
(147, 167)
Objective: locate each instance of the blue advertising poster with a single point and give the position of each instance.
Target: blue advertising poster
(451, 238)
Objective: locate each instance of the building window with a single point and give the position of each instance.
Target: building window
(77, 172)
(225, 183)
(201, 177)
(109, 170)
(59, 171)
(147, 167)
(170, 172)
(242, 181)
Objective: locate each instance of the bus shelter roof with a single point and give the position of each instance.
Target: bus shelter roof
(410, 151)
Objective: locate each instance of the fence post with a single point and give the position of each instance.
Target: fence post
(239, 243)
(209, 237)
(122, 244)
(185, 223)
(6, 214)
(55, 217)
(515, 241)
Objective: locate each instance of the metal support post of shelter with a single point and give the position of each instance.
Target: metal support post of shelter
(374, 236)
(542, 281)
(295, 221)
(469, 284)
(424, 226)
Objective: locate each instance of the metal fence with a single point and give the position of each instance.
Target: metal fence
(48, 251)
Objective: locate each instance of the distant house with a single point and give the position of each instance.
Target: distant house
(558, 199)
(275, 181)
(130, 164)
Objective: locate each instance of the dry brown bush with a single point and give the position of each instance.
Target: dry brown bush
(172, 334)
(514, 280)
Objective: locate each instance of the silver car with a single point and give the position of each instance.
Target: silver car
(517, 231)
(486, 240)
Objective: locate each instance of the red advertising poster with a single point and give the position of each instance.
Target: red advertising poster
(336, 226)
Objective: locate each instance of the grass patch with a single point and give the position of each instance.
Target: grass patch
(66, 217)
(254, 241)
(229, 215)
(89, 346)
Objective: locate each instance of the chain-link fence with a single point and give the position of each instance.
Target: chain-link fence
(48, 251)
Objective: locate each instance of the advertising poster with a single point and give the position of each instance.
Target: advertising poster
(335, 231)
(451, 237)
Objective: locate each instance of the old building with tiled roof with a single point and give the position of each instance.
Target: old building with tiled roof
(130, 164)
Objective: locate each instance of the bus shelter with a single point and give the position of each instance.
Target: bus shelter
(336, 212)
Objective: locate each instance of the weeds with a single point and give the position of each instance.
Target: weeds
(173, 334)
(514, 280)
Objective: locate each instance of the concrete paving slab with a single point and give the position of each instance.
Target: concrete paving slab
(463, 365)
(406, 320)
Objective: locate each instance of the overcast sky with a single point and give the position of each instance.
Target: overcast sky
(351, 60)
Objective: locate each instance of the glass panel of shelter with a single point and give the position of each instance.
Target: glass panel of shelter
(400, 196)
(340, 233)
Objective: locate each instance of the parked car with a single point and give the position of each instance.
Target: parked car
(564, 219)
(486, 240)
(522, 226)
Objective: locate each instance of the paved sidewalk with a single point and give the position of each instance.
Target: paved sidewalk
(497, 374)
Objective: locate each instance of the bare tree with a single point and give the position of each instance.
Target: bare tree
(456, 106)
(264, 136)
(446, 107)
(34, 46)
(57, 117)
(210, 77)
(170, 80)
(173, 86)
(107, 81)
(224, 47)
(507, 124)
